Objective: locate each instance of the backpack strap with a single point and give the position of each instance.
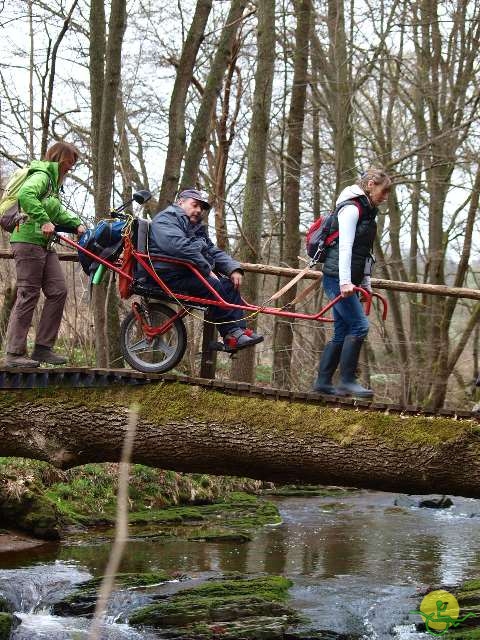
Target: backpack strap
(346, 203)
(334, 235)
(50, 189)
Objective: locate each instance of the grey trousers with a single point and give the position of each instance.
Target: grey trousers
(37, 270)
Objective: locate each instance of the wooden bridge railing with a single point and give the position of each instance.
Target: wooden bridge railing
(378, 283)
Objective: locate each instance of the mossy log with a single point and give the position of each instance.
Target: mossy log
(192, 429)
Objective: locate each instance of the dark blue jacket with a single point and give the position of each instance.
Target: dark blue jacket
(172, 234)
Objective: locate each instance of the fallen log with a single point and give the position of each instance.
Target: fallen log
(192, 429)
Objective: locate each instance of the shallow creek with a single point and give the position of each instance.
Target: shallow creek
(358, 564)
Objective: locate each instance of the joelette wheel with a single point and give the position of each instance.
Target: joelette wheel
(152, 354)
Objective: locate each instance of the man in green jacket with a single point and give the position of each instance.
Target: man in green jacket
(37, 265)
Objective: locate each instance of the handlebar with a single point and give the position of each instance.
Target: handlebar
(367, 298)
(116, 214)
(63, 228)
(140, 197)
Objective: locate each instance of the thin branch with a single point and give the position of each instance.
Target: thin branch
(121, 526)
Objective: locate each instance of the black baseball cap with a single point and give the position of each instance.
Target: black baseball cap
(201, 196)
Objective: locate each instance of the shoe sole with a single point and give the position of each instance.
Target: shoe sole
(335, 394)
(359, 395)
(21, 366)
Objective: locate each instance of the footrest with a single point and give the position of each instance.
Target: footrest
(220, 346)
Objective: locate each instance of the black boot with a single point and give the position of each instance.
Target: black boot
(328, 364)
(348, 368)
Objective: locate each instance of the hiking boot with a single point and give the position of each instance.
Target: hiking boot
(15, 360)
(240, 339)
(46, 354)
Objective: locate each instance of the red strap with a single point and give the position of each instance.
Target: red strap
(124, 284)
(333, 236)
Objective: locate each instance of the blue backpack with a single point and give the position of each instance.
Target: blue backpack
(105, 241)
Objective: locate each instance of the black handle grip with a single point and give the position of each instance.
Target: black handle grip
(63, 228)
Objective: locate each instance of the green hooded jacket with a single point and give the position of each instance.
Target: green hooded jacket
(41, 209)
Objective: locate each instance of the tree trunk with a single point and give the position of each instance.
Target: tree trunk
(296, 118)
(105, 68)
(9, 297)
(342, 90)
(213, 85)
(224, 134)
(176, 113)
(243, 367)
(445, 68)
(188, 428)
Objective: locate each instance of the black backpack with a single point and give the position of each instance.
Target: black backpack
(105, 240)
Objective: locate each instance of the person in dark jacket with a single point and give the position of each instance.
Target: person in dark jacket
(178, 232)
(37, 265)
(348, 264)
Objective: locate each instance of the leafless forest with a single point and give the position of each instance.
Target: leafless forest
(271, 106)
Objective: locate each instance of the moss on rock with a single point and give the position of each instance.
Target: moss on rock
(4, 605)
(237, 608)
(468, 596)
(221, 536)
(6, 622)
(168, 515)
(31, 511)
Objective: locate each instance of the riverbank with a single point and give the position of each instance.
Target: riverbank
(12, 541)
(46, 503)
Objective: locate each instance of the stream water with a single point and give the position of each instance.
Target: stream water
(358, 564)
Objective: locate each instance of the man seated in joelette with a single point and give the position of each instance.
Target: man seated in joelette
(178, 231)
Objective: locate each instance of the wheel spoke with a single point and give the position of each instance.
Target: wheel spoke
(139, 346)
(165, 348)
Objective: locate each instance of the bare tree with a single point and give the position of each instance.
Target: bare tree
(105, 67)
(252, 220)
(176, 113)
(214, 82)
(49, 79)
(296, 117)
